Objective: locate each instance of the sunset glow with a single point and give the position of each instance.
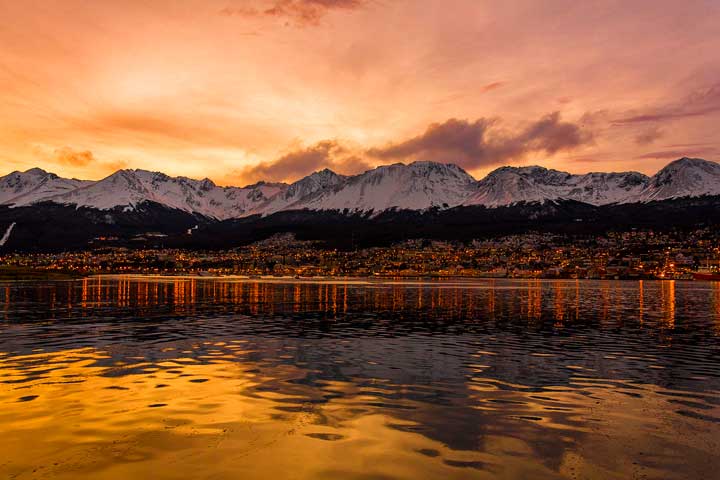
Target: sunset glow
(274, 89)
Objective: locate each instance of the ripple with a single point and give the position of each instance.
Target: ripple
(209, 378)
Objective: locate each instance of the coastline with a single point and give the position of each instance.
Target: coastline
(366, 280)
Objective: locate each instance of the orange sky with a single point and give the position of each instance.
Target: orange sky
(248, 89)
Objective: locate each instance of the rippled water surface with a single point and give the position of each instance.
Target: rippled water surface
(207, 378)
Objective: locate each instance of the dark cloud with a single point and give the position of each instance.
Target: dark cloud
(700, 102)
(456, 138)
(291, 166)
(482, 142)
(74, 158)
(664, 154)
(301, 12)
(551, 135)
(648, 136)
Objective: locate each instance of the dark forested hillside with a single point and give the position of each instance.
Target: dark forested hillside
(52, 227)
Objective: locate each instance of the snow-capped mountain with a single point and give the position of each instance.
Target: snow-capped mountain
(508, 185)
(24, 188)
(599, 188)
(686, 177)
(417, 186)
(304, 188)
(128, 188)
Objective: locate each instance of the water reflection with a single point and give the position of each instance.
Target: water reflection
(668, 303)
(130, 377)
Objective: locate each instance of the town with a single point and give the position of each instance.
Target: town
(623, 255)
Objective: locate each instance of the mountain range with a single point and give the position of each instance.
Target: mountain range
(417, 186)
(42, 212)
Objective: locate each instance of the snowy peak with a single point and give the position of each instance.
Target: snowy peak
(129, 188)
(313, 183)
(686, 177)
(39, 172)
(304, 188)
(690, 162)
(417, 186)
(509, 185)
(30, 186)
(122, 188)
(599, 188)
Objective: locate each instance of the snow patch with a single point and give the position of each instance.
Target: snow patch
(6, 236)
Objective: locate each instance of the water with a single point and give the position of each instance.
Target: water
(206, 378)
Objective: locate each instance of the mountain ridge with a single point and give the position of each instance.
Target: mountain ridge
(420, 186)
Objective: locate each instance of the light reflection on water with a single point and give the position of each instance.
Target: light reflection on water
(136, 377)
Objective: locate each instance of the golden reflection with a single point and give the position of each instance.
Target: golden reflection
(345, 298)
(667, 293)
(296, 298)
(184, 294)
(93, 414)
(467, 300)
(213, 409)
(641, 301)
(207, 419)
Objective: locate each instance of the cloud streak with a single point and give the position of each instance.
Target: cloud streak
(491, 86)
(701, 102)
(673, 154)
(300, 12)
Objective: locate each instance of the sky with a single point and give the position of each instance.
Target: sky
(246, 90)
